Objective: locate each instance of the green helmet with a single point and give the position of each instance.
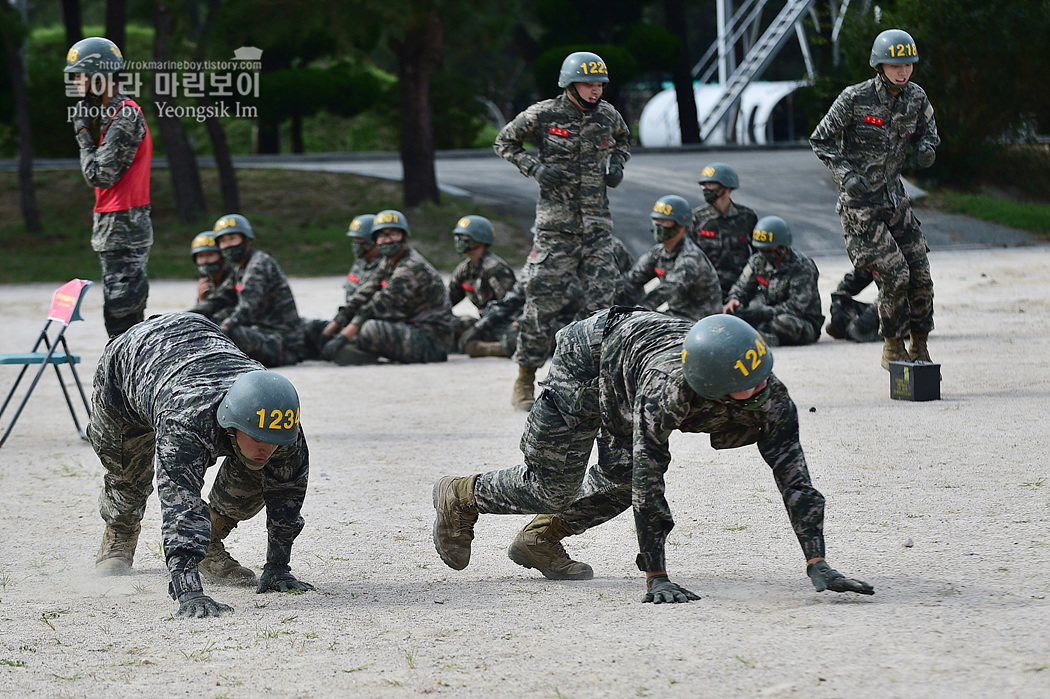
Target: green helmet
(672, 207)
(583, 67)
(233, 223)
(723, 354)
(478, 228)
(94, 55)
(390, 218)
(893, 46)
(771, 232)
(720, 173)
(264, 406)
(361, 227)
(203, 242)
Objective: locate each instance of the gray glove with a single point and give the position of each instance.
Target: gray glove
(925, 155)
(755, 313)
(468, 335)
(332, 347)
(278, 578)
(662, 590)
(548, 175)
(615, 175)
(194, 604)
(856, 184)
(825, 577)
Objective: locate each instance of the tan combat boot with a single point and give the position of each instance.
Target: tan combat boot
(477, 348)
(918, 351)
(893, 351)
(117, 552)
(218, 565)
(538, 546)
(457, 512)
(524, 396)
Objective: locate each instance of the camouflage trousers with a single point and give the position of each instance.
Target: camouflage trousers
(269, 347)
(890, 244)
(559, 269)
(400, 342)
(789, 329)
(313, 339)
(125, 288)
(237, 491)
(506, 334)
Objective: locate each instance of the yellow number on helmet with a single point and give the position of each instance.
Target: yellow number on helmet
(463, 222)
(707, 171)
(72, 55)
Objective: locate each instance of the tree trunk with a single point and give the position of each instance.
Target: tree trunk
(10, 35)
(116, 18)
(688, 121)
(269, 136)
(417, 58)
(185, 177)
(297, 133)
(71, 18)
(231, 199)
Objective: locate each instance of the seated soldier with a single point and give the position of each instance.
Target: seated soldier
(851, 318)
(264, 322)
(482, 278)
(401, 313)
(688, 285)
(777, 291)
(211, 303)
(721, 227)
(318, 331)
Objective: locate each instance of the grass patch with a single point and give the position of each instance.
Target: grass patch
(299, 217)
(1029, 216)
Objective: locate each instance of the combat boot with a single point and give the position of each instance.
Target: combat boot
(218, 565)
(538, 546)
(348, 355)
(477, 348)
(918, 351)
(457, 511)
(524, 396)
(117, 552)
(893, 351)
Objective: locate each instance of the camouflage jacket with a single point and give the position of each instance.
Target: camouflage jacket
(790, 287)
(642, 396)
(103, 165)
(868, 131)
(688, 281)
(410, 292)
(169, 374)
(724, 238)
(482, 283)
(218, 302)
(360, 272)
(579, 144)
(264, 299)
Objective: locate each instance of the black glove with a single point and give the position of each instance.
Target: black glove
(614, 176)
(332, 347)
(82, 116)
(468, 335)
(194, 604)
(825, 577)
(856, 184)
(755, 313)
(279, 579)
(662, 590)
(548, 175)
(925, 155)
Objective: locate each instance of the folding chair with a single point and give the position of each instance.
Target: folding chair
(65, 308)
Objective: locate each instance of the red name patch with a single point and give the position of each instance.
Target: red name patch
(467, 287)
(564, 133)
(353, 278)
(658, 272)
(762, 280)
(383, 283)
(708, 234)
(872, 120)
(238, 287)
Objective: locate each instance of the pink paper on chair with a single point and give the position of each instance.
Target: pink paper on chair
(66, 301)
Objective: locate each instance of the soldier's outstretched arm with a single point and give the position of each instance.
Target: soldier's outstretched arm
(284, 489)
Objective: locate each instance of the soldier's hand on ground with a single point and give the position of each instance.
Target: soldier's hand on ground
(856, 184)
(615, 175)
(332, 347)
(468, 335)
(925, 155)
(279, 579)
(662, 591)
(197, 605)
(825, 577)
(548, 175)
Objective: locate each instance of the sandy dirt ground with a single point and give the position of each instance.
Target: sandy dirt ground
(943, 506)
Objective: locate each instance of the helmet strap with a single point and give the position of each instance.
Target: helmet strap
(237, 450)
(889, 84)
(583, 104)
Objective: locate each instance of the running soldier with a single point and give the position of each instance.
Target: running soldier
(401, 313)
(863, 139)
(582, 145)
(688, 281)
(777, 291)
(627, 379)
(485, 279)
(721, 227)
(176, 390)
(211, 302)
(264, 321)
(851, 318)
(119, 170)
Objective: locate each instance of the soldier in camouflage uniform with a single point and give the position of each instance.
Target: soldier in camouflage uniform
(636, 376)
(777, 291)
(863, 139)
(721, 227)
(264, 321)
(175, 389)
(401, 313)
(850, 318)
(211, 301)
(119, 170)
(688, 281)
(485, 279)
(582, 145)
